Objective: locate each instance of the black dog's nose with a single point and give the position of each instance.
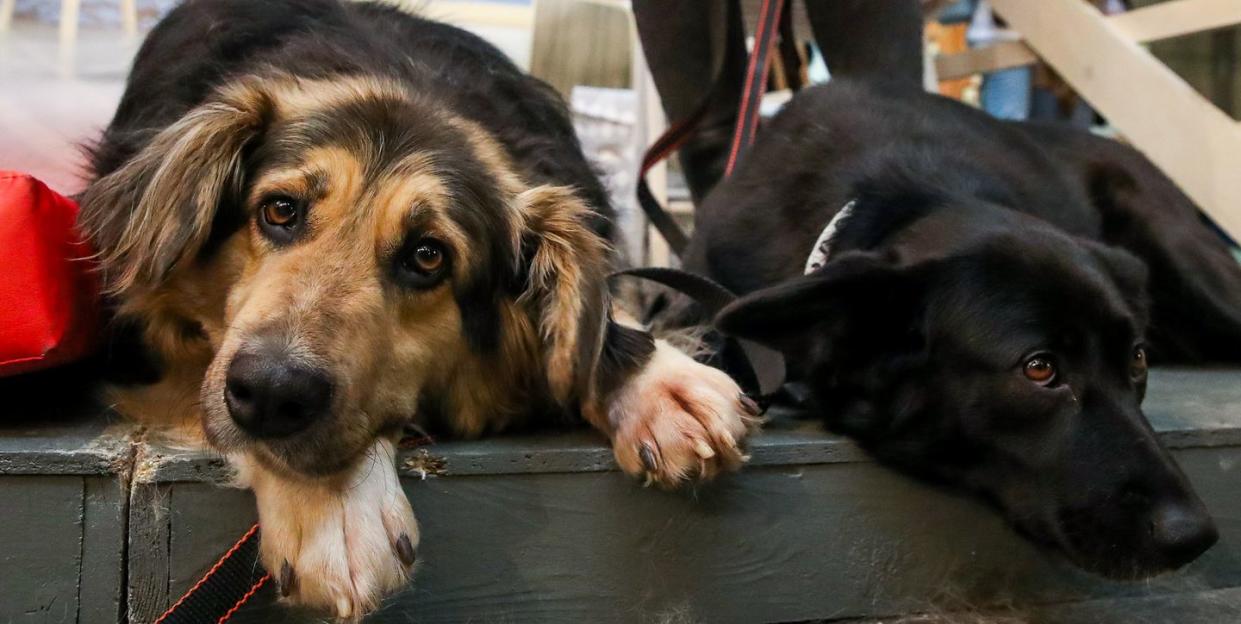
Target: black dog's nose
(1182, 531)
(272, 398)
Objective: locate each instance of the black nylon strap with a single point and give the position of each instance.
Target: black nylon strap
(758, 369)
(663, 221)
(711, 295)
(224, 588)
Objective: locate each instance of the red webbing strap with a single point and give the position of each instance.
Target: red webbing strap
(228, 585)
(755, 81)
(667, 143)
(743, 135)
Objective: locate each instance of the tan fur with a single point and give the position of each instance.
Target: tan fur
(187, 164)
(566, 274)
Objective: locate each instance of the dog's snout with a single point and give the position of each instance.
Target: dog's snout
(273, 398)
(1182, 531)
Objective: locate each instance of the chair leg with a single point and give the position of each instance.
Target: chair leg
(129, 18)
(69, 10)
(6, 14)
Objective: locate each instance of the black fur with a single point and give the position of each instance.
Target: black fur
(625, 350)
(973, 245)
(178, 66)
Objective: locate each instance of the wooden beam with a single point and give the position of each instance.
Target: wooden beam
(6, 14)
(490, 14)
(1152, 23)
(984, 60)
(129, 17)
(1191, 140)
(1176, 18)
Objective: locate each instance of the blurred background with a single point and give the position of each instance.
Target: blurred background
(63, 64)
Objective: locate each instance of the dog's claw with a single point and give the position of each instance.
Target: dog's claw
(750, 406)
(648, 458)
(704, 450)
(286, 579)
(405, 550)
(344, 609)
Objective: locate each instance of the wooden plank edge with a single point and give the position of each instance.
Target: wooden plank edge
(106, 456)
(454, 459)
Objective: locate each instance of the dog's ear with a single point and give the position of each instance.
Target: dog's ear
(153, 213)
(1125, 270)
(565, 265)
(861, 305)
(1194, 281)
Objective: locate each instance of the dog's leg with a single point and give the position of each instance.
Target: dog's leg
(674, 419)
(339, 544)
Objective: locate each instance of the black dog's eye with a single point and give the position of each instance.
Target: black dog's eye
(280, 217)
(1040, 369)
(422, 263)
(1138, 366)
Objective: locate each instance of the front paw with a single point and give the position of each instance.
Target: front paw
(339, 548)
(678, 420)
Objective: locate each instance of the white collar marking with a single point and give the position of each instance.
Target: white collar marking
(822, 249)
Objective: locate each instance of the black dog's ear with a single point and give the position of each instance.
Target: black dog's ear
(1194, 281)
(1127, 271)
(866, 295)
(155, 211)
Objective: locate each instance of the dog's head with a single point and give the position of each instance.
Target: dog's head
(997, 353)
(342, 253)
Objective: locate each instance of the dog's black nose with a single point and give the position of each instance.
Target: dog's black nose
(1182, 531)
(272, 398)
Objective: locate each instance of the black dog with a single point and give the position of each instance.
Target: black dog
(967, 298)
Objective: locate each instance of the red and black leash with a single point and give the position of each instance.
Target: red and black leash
(228, 585)
(760, 370)
(748, 116)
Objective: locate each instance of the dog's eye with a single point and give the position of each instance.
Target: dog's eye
(1040, 369)
(1138, 366)
(427, 258)
(281, 218)
(422, 263)
(280, 211)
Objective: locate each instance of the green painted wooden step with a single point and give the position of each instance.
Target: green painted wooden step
(544, 529)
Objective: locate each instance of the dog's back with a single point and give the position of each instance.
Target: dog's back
(832, 140)
(202, 44)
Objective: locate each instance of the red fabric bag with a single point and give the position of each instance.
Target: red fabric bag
(49, 293)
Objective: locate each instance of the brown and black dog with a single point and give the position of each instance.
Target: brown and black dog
(325, 220)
